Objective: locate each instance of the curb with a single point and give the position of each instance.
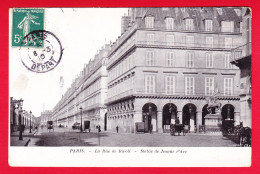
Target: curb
(26, 144)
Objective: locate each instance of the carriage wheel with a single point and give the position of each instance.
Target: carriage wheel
(184, 132)
(173, 132)
(241, 141)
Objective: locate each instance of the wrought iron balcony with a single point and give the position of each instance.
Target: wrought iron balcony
(241, 52)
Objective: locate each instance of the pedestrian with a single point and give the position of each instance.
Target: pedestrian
(177, 121)
(151, 128)
(117, 129)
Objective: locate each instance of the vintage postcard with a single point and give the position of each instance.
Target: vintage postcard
(124, 87)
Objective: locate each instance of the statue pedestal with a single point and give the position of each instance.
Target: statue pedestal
(213, 123)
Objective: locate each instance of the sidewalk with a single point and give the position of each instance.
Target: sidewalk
(14, 141)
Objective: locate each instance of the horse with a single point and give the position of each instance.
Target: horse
(244, 134)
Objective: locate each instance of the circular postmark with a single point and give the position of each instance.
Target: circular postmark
(42, 51)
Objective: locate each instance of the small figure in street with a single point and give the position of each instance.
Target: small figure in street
(117, 129)
(177, 121)
(151, 128)
(23, 128)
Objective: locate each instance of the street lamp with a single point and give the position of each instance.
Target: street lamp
(80, 119)
(20, 120)
(30, 122)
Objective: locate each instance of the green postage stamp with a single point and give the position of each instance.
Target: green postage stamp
(24, 22)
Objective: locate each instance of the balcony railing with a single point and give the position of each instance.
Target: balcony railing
(181, 45)
(241, 51)
(189, 45)
(120, 96)
(163, 93)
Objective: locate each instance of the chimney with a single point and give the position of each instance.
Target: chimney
(125, 20)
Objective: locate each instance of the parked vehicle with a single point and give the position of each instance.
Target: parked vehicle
(178, 128)
(60, 126)
(76, 126)
(87, 125)
(139, 127)
(50, 125)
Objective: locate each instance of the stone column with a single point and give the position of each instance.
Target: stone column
(198, 120)
(179, 114)
(236, 118)
(159, 121)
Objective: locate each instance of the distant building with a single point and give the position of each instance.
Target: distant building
(88, 91)
(46, 116)
(242, 57)
(18, 116)
(167, 62)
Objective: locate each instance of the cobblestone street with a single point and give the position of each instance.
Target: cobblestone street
(68, 137)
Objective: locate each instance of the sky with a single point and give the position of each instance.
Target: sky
(82, 32)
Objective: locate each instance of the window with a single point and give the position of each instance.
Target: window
(149, 84)
(190, 59)
(190, 40)
(170, 39)
(209, 42)
(150, 38)
(149, 58)
(149, 22)
(170, 59)
(219, 11)
(238, 12)
(209, 60)
(169, 23)
(189, 86)
(209, 85)
(228, 65)
(228, 86)
(189, 24)
(228, 42)
(170, 85)
(241, 26)
(227, 26)
(208, 25)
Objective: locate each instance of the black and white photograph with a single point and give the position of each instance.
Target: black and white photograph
(131, 81)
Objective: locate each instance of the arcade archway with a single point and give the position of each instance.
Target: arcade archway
(228, 112)
(150, 117)
(169, 116)
(189, 116)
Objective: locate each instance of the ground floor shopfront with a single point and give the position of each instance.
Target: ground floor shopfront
(94, 117)
(158, 113)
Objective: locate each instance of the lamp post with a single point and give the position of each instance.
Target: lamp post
(80, 119)
(20, 120)
(30, 121)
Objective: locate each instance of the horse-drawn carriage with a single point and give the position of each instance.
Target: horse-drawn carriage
(239, 133)
(50, 126)
(179, 128)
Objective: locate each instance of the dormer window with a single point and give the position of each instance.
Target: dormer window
(183, 10)
(149, 22)
(227, 26)
(189, 24)
(169, 23)
(219, 11)
(238, 12)
(208, 25)
(165, 8)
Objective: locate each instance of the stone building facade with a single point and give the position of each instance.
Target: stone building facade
(167, 62)
(19, 117)
(46, 116)
(242, 58)
(88, 91)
